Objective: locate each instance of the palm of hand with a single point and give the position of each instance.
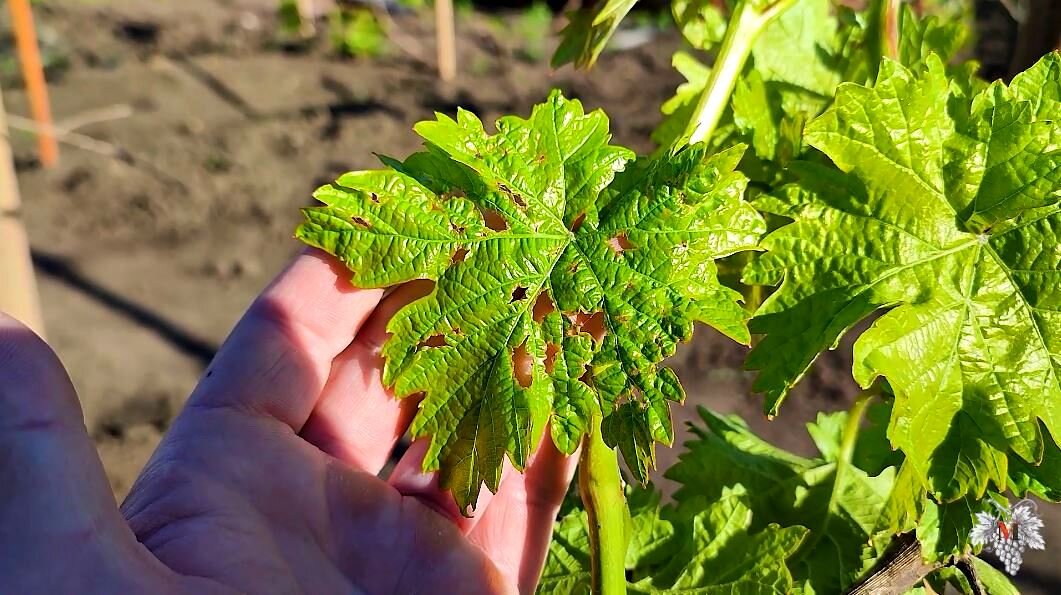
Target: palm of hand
(267, 481)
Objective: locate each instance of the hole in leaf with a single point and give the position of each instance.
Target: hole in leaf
(587, 376)
(493, 219)
(459, 255)
(543, 305)
(519, 294)
(360, 222)
(591, 324)
(551, 349)
(577, 223)
(452, 193)
(521, 365)
(620, 244)
(438, 340)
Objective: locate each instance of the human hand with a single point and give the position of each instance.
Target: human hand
(267, 480)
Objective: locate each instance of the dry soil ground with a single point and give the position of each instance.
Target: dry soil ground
(146, 261)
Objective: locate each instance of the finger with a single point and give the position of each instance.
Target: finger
(410, 480)
(276, 361)
(54, 494)
(357, 420)
(516, 528)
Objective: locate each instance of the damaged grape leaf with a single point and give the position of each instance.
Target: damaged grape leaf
(946, 213)
(712, 550)
(518, 223)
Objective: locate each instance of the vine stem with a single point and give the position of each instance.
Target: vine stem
(601, 488)
(884, 20)
(745, 25)
(899, 570)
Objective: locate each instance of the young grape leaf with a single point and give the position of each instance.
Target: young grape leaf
(993, 580)
(1042, 480)
(944, 529)
(841, 504)
(588, 31)
(701, 22)
(796, 64)
(708, 550)
(511, 224)
(949, 215)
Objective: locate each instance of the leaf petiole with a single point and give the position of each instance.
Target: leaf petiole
(745, 25)
(601, 488)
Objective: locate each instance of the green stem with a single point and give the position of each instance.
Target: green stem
(601, 488)
(884, 18)
(854, 420)
(745, 25)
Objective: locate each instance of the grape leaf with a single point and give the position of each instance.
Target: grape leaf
(796, 64)
(708, 550)
(944, 529)
(949, 215)
(531, 215)
(1044, 479)
(840, 503)
(701, 22)
(588, 31)
(993, 580)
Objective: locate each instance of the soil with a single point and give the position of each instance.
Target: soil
(147, 256)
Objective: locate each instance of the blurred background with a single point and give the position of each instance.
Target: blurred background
(192, 131)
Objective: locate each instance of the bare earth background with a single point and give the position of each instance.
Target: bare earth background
(146, 262)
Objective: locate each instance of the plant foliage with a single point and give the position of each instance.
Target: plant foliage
(903, 194)
(636, 250)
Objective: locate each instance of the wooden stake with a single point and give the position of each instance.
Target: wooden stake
(18, 288)
(29, 56)
(447, 40)
(307, 17)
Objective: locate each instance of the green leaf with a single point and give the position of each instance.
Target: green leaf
(797, 63)
(588, 31)
(701, 22)
(994, 581)
(944, 528)
(790, 73)
(526, 217)
(838, 502)
(949, 216)
(1043, 479)
(709, 550)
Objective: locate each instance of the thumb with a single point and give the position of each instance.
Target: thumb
(54, 496)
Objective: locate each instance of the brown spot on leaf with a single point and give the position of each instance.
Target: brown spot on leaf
(576, 224)
(360, 222)
(374, 197)
(620, 244)
(521, 365)
(551, 349)
(459, 255)
(519, 294)
(591, 324)
(543, 305)
(438, 340)
(493, 219)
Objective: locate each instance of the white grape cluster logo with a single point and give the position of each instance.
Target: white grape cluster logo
(1009, 532)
